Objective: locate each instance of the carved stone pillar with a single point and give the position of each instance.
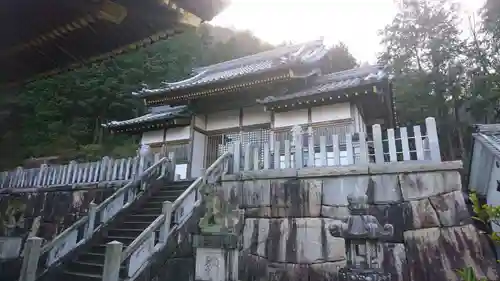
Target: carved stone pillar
(217, 247)
(216, 257)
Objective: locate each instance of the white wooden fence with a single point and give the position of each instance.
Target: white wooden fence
(416, 143)
(106, 170)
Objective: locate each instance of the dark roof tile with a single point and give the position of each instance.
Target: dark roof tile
(172, 112)
(336, 81)
(304, 53)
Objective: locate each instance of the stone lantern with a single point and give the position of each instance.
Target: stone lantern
(362, 233)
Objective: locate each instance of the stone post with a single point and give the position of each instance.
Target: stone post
(217, 247)
(216, 257)
(30, 261)
(112, 261)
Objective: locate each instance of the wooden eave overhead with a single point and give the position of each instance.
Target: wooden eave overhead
(47, 37)
(219, 88)
(169, 117)
(151, 125)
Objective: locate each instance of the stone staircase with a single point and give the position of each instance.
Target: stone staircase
(136, 234)
(89, 264)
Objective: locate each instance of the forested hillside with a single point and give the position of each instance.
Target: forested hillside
(438, 71)
(61, 115)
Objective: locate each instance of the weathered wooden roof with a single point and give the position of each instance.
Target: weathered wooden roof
(46, 37)
(334, 82)
(167, 114)
(279, 58)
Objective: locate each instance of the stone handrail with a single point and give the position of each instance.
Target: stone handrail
(143, 247)
(105, 172)
(99, 215)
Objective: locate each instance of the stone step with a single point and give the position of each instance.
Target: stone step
(130, 223)
(126, 232)
(80, 276)
(142, 217)
(148, 210)
(158, 204)
(91, 267)
(91, 257)
(125, 240)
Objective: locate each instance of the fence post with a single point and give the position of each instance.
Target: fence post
(167, 212)
(299, 163)
(41, 174)
(112, 261)
(377, 143)
(363, 149)
(432, 136)
(18, 177)
(91, 222)
(236, 157)
(171, 157)
(248, 156)
(32, 251)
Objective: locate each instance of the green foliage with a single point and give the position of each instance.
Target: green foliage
(484, 213)
(467, 274)
(62, 115)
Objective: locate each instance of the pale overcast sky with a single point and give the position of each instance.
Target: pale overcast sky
(354, 22)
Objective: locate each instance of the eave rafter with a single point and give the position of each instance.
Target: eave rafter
(149, 126)
(110, 12)
(327, 97)
(160, 99)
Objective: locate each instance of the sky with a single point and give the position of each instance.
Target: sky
(354, 22)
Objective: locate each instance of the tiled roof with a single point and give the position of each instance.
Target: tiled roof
(336, 81)
(172, 112)
(489, 136)
(274, 59)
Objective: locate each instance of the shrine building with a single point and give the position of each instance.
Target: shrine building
(258, 99)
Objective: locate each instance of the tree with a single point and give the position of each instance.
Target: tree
(62, 115)
(424, 49)
(339, 58)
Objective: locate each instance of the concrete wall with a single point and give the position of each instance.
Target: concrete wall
(287, 213)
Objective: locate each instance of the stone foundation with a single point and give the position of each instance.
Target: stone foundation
(287, 213)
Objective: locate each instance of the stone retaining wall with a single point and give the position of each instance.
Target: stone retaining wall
(287, 213)
(45, 214)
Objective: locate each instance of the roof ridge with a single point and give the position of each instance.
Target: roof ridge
(270, 54)
(347, 74)
(487, 128)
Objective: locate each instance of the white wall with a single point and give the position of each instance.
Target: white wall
(200, 121)
(319, 114)
(152, 137)
(223, 120)
(179, 133)
(255, 115)
(290, 118)
(172, 134)
(331, 112)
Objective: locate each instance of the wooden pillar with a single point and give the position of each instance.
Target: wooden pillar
(32, 251)
(112, 261)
